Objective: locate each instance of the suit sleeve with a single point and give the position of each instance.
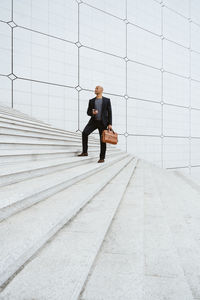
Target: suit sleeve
(109, 113)
(89, 110)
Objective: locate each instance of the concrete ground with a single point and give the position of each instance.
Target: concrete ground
(138, 243)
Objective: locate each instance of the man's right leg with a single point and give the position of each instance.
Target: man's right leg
(89, 128)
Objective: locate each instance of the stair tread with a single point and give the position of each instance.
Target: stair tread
(14, 112)
(182, 209)
(12, 138)
(11, 152)
(164, 239)
(21, 116)
(25, 139)
(47, 128)
(36, 127)
(142, 261)
(43, 135)
(79, 245)
(18, 167)
(26, 142)
(7, 115)
(119, 267)
(40, 221)
(41, 127)
(12, 127)
(18, 191)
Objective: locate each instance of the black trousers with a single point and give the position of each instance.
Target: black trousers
(89, 128)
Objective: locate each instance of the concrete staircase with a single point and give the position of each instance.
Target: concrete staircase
(72, 229)
(44, 185)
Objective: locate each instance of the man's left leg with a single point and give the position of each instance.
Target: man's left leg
(101, 128)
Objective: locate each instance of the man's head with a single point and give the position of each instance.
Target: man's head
(98, 90)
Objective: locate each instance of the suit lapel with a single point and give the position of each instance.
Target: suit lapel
(93, 101)
(103, 103)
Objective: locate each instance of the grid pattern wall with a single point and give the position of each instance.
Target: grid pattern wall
(145, 53)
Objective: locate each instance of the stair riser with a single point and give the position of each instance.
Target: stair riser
(13, 121)
(36, 157)
(28, 139)
(102, 232)
(27, 202)
(43, 135)
(4, 121)
(14, 111)
(17, 177)
(40, 146)
(40, 243)
(22, 119)
(19, 115)
(11, 124)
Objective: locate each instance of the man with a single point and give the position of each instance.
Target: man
(99, 108)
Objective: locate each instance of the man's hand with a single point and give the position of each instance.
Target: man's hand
(95, 111)
(110, 127)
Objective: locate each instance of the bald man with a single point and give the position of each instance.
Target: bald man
(99, 108)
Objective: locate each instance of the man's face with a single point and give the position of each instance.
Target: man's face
(98, 90)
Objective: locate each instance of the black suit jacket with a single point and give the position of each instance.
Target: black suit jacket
(106, 113)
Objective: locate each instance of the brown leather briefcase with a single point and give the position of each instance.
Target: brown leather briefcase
(109, 136)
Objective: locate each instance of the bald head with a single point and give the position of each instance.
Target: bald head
(98, 91)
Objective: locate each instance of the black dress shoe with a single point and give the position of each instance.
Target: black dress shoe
(100, 160)
(83, 154)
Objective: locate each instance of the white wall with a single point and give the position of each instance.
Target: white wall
(146, 54)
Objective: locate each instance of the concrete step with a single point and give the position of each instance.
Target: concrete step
(22, 131)
(182, 206)
(38, 145)
(4, 121)
(16, 172)
(22, 117)
(15, 156)
(164, 273)
(19, 138)
(118, 271)
(193, 182)
(19, 196)
(46, 218)
(8, 120)
(16, 113)
(26, 137)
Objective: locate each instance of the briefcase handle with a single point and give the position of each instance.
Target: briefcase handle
(111, 130)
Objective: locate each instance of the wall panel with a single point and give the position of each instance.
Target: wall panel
(145, 53)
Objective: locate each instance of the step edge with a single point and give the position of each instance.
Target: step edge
(35, 125)
(43, 131)
(78, 295)
(5, 277)
(56, 166)
(28, 201)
